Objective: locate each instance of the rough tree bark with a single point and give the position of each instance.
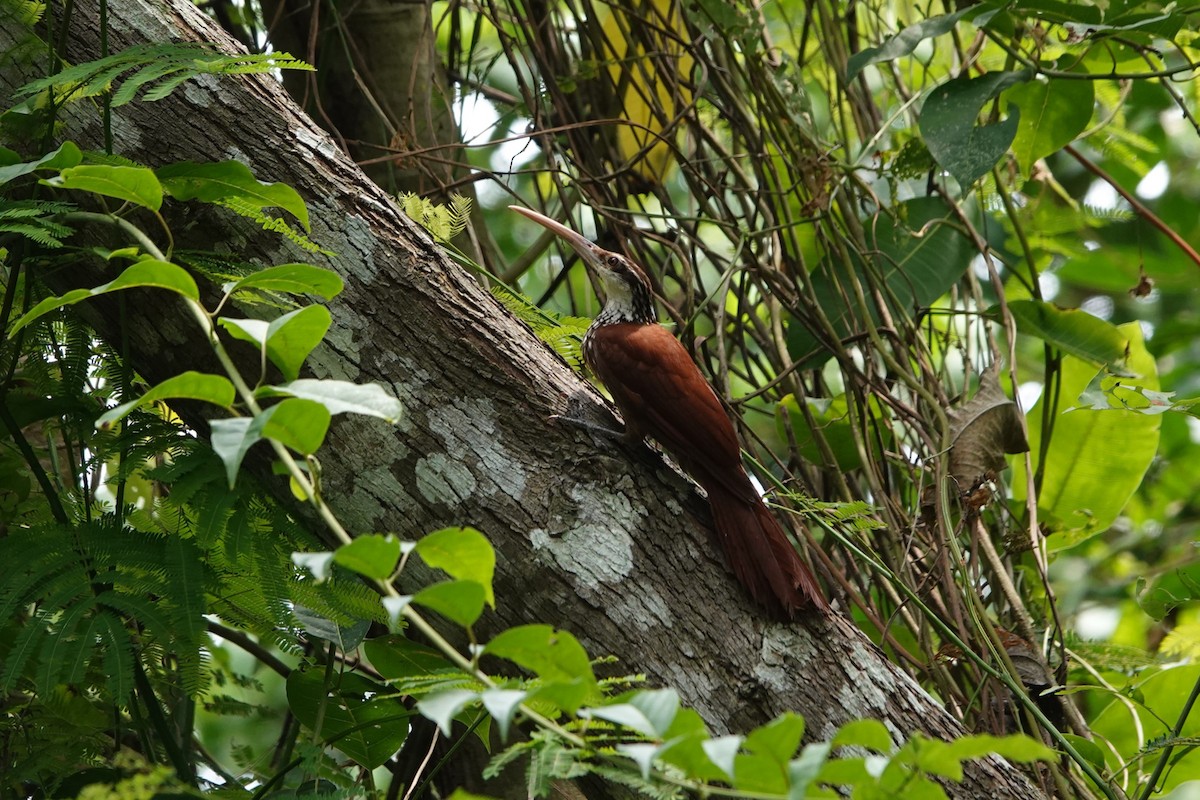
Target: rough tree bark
(591, 535)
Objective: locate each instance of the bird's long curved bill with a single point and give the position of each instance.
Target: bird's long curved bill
(580, 242)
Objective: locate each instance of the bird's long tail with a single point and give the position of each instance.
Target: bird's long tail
(761, 556)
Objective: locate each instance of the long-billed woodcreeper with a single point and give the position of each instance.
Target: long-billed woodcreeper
(661, 393)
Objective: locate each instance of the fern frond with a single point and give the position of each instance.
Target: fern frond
(167, 65)
(442, 222)
(274, 224)
(25, 13)
(563, 333)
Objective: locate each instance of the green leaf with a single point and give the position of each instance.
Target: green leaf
(502, 704)
(1096, 459)
(1139, 721)
(356, 716)
(229, 180)
(346, 637)
(1166, 592)
(340, 397)
(947, 124)
(372, 555)
(867, 733)
(288, 340)
(642, 754)
(553, 655)
(463, 553)
(458, 601)
(295, 423)
(919, 254)
(723, 751)
(230, 440)
(830, 421)
(907, 40)
(216, 389)
(443, 707)
(1071, 330)
(136, 185)
(291, 279)
(1014, 747)
(805, 769)
(778, 739)
(67, 155)
(316, 563)
(1053, 113)
(397, 657)
(149, 273)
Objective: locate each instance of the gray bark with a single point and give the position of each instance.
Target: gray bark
(597, 537)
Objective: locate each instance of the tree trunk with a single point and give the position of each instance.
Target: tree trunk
(594, 536)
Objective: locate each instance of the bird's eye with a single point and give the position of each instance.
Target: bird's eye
(615, 261)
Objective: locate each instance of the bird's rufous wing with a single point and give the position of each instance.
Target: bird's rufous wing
(661, 391)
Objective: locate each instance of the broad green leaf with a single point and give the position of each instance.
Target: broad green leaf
(149, 273)
(1014, 747)
(216, 389)
(288, 340)
(867, 733)
(136, 185)
(659, 706)
(372, 555)
(1071, 330)
(947, 124)
(690, 754)
(443, 707)
(1053, 112)
(356, 716)
(907, 40)
(642, 754)
(458, 601)
(394, 607)
(830, 421)
(346, 637)
(341, 397)
(918, 255)
(295, 423)
(804, 769)
(254, 331)
(1091, 751)
(1164, 593)
(1096, 459)
(294, 335)
(463, 553)
(231, 439)
(397, 657)
(723, 751)
(1144, 713)
(553, 655)
(778, 739)
(930, 757)
(291, 279)
(625, 715)
(316, 563)
(229, 180)
(66, 156)
(502, 704)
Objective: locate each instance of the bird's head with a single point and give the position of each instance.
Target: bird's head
(626, 287)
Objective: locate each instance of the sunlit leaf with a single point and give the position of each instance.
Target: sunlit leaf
(136, 185)
(216, 389)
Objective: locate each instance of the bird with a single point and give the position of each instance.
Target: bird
(662, 394)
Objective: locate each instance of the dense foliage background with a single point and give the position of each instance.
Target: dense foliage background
(938, 260)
